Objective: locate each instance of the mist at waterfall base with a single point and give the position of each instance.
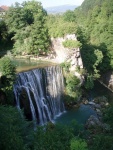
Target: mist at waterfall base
(39, 93)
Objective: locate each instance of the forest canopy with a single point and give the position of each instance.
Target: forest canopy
(27, 23)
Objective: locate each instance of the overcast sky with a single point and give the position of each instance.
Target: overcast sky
(45, 3)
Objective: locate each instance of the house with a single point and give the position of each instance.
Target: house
(3, 9)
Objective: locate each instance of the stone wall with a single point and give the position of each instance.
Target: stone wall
(61, 54)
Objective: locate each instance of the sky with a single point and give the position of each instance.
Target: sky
(45, 3)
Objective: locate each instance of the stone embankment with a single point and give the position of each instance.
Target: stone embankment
(62, 54)
(98, 104)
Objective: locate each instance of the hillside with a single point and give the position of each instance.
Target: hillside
(95, 19)
(60, 9)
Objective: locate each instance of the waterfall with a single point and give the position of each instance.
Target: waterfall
(44, 88)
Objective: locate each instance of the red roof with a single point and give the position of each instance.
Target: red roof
(4, 7)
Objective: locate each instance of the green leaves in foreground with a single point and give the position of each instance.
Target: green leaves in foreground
(7, 68)
(8, 71)
(17, 134)
(13, 129)
(78, 144)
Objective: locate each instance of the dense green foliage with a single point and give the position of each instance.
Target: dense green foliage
(65, 66)
(96, 19)
(7, 68)
(72, 86)
(103, 139)
(59, 27)
(28, 23)
(56, 137)
(17, 133)
(78, 144)
(8, 71)
(14, 130)
(71, 44)
(108, 116)
(5, 37)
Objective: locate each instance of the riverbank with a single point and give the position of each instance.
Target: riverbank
(25, 64)
(38, 58)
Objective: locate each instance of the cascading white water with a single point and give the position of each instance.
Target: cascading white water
(44, 88)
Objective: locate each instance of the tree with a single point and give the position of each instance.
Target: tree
(8, 71)
(28, 22)
(58, 27)
(52, 137)
(96, 18)
(5, 37)
(69, 16)
(78, 144)
(89, 83)
(72, 90)
(7, 68)
(14, 129)
(102, 142)
(99, 56)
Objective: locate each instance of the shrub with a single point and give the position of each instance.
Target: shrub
(72, 85)
(14, 130)
(8, 71)
(78, 144)
(65, 66)
(72, 44)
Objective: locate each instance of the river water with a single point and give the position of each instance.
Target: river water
(27, 64)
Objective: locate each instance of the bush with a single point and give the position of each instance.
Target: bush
(13, 129)
(72, 85)
(65, 66)
(72, 44)
(78, 144)
(72, 90)
(7, 68)
(102, 142)
(56, 137)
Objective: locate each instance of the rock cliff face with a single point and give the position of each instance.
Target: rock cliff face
(61, 54)
(107, 79)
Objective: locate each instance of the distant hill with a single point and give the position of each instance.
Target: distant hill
(60, 9)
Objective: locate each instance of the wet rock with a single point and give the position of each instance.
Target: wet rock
(91, 103)
(97, 106)
(106, 127)
(106, 104)
(85, 101)
(94, 105)
(98, 110)
(102, 104)
(93, 121)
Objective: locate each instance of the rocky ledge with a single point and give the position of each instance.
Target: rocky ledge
(98, 104)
